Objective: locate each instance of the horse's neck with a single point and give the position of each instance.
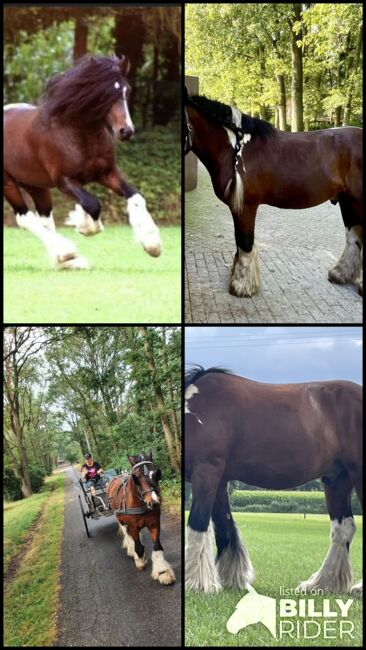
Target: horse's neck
(131, 493)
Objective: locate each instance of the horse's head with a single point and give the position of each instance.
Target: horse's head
(118, 118)
(146, 477)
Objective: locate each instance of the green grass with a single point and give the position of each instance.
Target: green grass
(285, 549)
(124, 285)
(31, 598)
(18, 519)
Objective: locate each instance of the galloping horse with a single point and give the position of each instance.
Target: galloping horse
(274, 436)
(135, 499)
(67, 141)
(250, 163)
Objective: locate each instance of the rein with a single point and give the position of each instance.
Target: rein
(136, 510)
(188, 133)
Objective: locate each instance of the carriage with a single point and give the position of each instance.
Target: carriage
(100, 507)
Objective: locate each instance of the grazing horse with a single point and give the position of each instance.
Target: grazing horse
(67, 141)
(135, 499)
(274, 436)
(250, 163)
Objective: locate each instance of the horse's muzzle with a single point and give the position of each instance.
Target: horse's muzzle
(126, 133)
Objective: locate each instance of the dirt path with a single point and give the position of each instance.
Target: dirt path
(105, 602)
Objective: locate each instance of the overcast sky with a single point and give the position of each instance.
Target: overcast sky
(279, 354)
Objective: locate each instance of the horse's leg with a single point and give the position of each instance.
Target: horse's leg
(162, 570)
(335, 574)
(245, 277)
(145, 230)
(43, 202)
(201, 573)
(349, 266)
(85, 216)
(62, 250)
(138, 549)
(357, 588)
(233, 561)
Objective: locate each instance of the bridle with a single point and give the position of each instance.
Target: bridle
(140, 493)
(187, 133)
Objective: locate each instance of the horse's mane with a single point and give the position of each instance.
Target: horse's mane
(194, 373)
(86, 92)
(223, 115)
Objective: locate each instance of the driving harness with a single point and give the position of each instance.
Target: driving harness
(132, 511)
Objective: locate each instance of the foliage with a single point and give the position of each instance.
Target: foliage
(283, 501)
(238, 51)
(37, 477)
(11, 486)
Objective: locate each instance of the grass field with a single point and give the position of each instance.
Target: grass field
(285, 549)
(124, 285)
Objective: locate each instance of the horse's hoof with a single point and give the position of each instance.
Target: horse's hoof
(68, 262)
(167, 578)
(154, 251)
(335, 276)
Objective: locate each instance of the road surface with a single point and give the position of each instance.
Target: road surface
(104, 600)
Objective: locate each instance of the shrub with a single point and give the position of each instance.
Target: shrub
(12, 486)
(37, 476)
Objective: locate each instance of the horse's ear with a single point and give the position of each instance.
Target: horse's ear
(124, 65)
(149, 455)
(131, 459)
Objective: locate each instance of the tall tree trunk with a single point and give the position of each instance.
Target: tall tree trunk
(80, 37)
(337, 116)
(297, 119)
(160, 400)
(281, 101)
(129, 34)
(348, 104)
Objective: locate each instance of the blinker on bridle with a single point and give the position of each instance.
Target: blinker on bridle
(146, 474)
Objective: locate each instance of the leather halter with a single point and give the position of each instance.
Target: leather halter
(132, 511)
(187, 133)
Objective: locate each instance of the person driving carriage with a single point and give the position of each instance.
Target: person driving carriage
(92, 472)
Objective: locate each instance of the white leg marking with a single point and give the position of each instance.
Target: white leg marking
(161, 570)
(245, 276)
(47, 222)
(335, 574)
(62, 251)
(83, 222)
(236, 569)
(145, 230)
(348, 267)
(140, 562)
(200, 570)
(356, 590)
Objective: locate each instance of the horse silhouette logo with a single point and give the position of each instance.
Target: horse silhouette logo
(253, 608)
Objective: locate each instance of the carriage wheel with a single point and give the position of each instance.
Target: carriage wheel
(84, 517)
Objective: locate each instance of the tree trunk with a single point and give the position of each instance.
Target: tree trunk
(281, 102)
(129, 34)
(337, 116)
(348, 104)
(160, 400)
(297, 119)
(80, 38)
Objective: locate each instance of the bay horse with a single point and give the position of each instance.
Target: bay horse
(135, 499)
(250, 163)
(274, 436)
(67, 141)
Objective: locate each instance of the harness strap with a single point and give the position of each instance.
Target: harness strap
(132, 511)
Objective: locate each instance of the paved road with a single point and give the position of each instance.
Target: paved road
(295, 248)
(105, 602)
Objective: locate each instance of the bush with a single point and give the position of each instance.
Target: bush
(37, 476)
(12, 486)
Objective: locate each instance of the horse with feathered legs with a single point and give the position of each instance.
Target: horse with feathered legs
(67, 141)
(274, 436)
(251, 163)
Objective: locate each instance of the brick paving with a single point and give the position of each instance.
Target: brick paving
(296, 248)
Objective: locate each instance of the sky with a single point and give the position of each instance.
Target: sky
(279, 354)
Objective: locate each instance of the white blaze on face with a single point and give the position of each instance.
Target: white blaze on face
(125, 106)
(155, 497)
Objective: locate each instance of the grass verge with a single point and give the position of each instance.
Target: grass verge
(31, 598)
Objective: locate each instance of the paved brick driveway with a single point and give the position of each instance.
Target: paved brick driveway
(295, 247)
